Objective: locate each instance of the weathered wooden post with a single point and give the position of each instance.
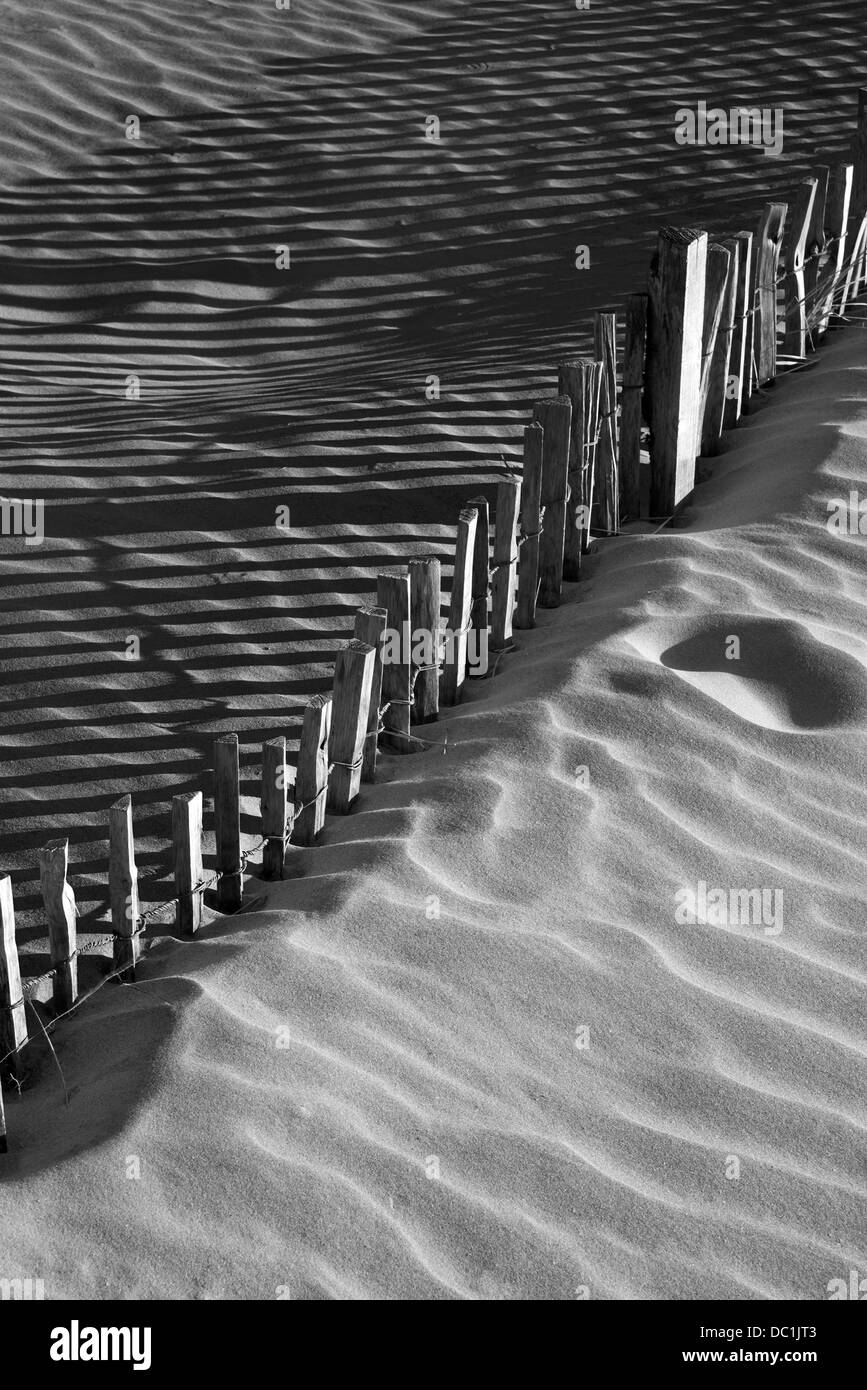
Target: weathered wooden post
(123, 886)
(393, 594)
(505, 563)
(717, 269)
(859, 189)
(717, 363)
(227, 822)
(794, 284)
(816, 245)
(13, 1023)
(187, 846)
(607, 483)
(59, 902)
(4, 1143)
(837, 222)
(581, 381)
(850, 281)
(675, 321)
(769, 237)
(481, 568)
(311, 774)
(353, 674)
(370, 627)
(425, 597)
(455, 661)
(273, 804)
(555, 417)
(740, 372)
(531, 525)
(634, 350)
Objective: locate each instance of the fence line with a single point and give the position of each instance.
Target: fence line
(698, 346)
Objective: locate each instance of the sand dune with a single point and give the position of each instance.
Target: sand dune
(287, 1081)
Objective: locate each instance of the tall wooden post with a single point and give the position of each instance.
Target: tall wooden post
(311, 775)
(393, 594)
(370, 626)
(531, 525)
(505, 563)
(13, 1023)
(273, 805)
(481, 567)
(769, 237)
(425, 598)
(675, 321)
(455, 662)
(837, 221)
(123, 885)
(815, 248)
(59, 902)
(555, 417)
(227, 822)
(716, 277)
(607, 483)
(581, 381)
(353, 674)
(4, 1143)
(859, 189)
(740, 375)
(794, 283)
(187, 846)
(719, 344)
(634, 350)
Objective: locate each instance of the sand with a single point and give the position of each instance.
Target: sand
(369, 1085)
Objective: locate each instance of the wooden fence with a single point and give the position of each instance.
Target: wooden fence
(722, 316)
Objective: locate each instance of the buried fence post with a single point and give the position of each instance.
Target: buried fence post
(555, 417)
(794, 281)
(634, 348)
(675, 317)
(607, 486)
(859, 189)
(740, 370)
(311, 775)
(227, 823)
(4, 1146)
(815, 247)
(716, 277)
(13, 1024)
(353, 675)
(123, 885)
(455, 657)
(481, 568)
(769, 236)
(718, 363)
(531, 526)
(273, 806)
(424, 605)
(187, 844)
(59, 902)
(393, 594)
(505, 564)
(580, 381)
(370, 626)
(836, 221)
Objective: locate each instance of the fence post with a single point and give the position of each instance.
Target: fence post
(769, 236)
(816, 245)
(455, 660)
(481, 566)
(794, 284)
(531, 526)
(555, 417)
(424, 606)
(273, 805)
(634, 349)
(4, 1145)
(393, 594)
(716, 277)
(717, 362)
(59, 902)
(123, 885)
(353, 674)
(187, 844)
(311, 775)
(607, 481)
(505, 564)
(859, 187)
(675, 318)
(370, 626)
(227, 823)
(837, 221)
(740, 374)
(13, 1023)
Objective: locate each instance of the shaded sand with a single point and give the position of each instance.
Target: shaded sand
(370, 1087)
